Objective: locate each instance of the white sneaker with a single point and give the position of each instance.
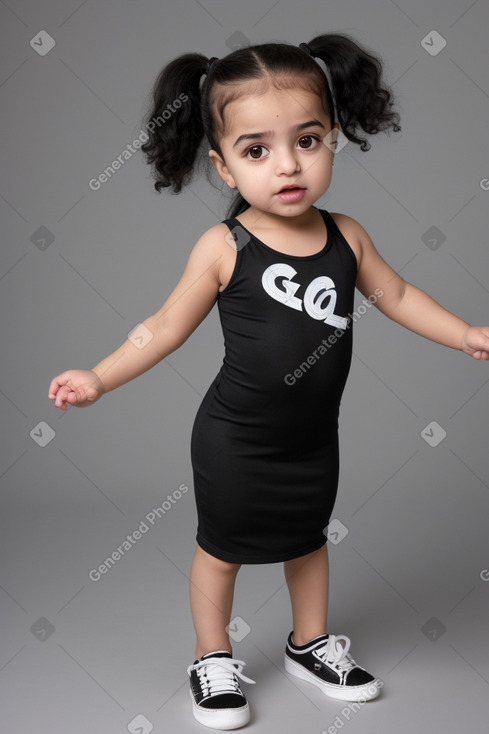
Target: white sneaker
(326, 663)
(217, 698)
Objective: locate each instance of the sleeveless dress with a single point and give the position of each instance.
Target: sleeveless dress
(264, 444)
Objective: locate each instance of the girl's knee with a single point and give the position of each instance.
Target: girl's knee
(217, 564)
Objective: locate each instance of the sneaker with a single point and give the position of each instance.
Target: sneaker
(217, 698)
(327, 664)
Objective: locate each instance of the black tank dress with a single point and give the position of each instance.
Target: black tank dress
(264, 444)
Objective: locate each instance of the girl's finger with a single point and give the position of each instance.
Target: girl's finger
(62, 395)
(53, 388)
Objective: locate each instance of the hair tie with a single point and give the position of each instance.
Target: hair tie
(326, 71)
(210, 63)
(306, 48)
(205, 74)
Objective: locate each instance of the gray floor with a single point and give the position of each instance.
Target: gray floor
(119, 648)
(81, 267)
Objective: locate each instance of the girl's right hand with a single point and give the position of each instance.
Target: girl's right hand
(76, 387)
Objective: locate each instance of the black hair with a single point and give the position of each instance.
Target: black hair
(186, 115)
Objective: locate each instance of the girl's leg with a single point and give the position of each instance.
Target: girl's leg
(211, 601)
(307, 579)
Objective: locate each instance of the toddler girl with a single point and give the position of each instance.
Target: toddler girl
(264, 445)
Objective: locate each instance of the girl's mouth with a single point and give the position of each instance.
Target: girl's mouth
(291, 194)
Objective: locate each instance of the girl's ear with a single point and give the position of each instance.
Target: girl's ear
(222, 169)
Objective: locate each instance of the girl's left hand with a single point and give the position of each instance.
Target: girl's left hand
(475, 342)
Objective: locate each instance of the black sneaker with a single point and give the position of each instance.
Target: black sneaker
(326, 663)
(217, 699)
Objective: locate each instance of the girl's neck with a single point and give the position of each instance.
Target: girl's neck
(262, 220)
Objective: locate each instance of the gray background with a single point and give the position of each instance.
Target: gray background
(408, 580)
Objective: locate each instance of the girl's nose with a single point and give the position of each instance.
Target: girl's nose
(287, 161)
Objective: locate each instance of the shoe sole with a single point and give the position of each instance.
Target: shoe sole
(355, 693)
(225, 719)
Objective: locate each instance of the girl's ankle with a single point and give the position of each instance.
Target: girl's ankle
(201, 651)
(300, 640)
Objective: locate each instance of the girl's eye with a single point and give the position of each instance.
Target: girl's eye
(254, 152)
(306, 142)
(312, 139)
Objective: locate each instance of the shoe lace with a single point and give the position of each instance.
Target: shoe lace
(336, 654)
(220, 675)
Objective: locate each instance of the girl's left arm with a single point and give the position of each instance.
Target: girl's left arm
(408, 305)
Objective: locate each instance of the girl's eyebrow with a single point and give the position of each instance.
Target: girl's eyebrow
(269, 133)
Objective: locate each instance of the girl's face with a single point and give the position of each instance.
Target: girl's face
(274, 140)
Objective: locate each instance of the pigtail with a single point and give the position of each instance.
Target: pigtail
(173, 122)
(362, 100)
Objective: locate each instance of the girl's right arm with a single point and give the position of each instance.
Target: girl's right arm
(159, 335)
